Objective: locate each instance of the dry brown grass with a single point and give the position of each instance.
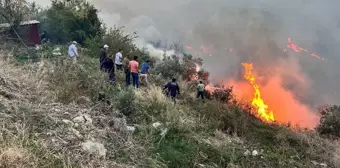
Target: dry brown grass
(13, 157)
(33, 133)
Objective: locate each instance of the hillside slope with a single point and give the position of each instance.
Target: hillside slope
(57, 114)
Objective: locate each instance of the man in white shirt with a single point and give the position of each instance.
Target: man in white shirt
(118, 60)
(72, 51)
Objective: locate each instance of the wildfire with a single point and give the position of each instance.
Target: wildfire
(262, 109)
(296, 48)
(195, 76)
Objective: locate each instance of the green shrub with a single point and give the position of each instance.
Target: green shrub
(186, 67)
(330, 121)
(125, 101)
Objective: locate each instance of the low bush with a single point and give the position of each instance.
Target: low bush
(330, 121)
(126, 101)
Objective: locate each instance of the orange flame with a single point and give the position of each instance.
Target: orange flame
(262, 109)
(195, 76)
(210, 88)
(297, 49)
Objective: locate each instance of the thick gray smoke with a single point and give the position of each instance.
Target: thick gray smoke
(257, 31)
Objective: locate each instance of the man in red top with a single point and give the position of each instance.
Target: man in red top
(133, 65)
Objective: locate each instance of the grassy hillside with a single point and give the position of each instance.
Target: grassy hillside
(51, 116)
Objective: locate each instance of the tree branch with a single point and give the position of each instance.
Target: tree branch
(12, 25)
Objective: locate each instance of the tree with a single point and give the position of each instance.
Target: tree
(75, 20)
(13, 12)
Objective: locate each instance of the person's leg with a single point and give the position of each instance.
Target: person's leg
(127, 77)
(198, 94)
(146, 80)
(112, 76)
(142, 78)
(202, 95)
(74, 59)
(174, 99)
(133, 79)
(137, 80)
(101, 63)
(118, 67)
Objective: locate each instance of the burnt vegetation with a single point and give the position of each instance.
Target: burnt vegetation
(51, 107)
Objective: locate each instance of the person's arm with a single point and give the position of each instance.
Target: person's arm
(147, 70)
(165, 86)
(137, 67)
(75, 51)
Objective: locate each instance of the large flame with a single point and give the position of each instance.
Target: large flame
(262, 109)
(195, 76)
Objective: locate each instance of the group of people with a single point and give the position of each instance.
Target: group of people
(120, 63)
(131, 69)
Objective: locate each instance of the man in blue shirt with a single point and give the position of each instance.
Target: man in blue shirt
(145, 71)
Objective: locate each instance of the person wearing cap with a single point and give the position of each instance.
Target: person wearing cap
(103, 56)
(118, 60)
(72, 51)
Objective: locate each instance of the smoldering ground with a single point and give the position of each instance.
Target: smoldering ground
(293, 84)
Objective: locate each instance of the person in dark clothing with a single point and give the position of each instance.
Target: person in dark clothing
(103, 58)
(112, 75)
(126, 62)
(44, 36)
(106, 64)
(173, 89)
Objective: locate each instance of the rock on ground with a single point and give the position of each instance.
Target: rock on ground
(94, 148)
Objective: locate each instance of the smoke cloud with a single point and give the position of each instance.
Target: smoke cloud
(293, 84)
